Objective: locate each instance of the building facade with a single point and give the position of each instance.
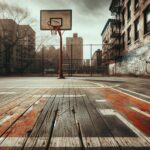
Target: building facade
(25, 49)
(8, 29)
(130, 37)
(74, 51)
(74, 47)
(97, 58)
(17, 46)
(96, 61)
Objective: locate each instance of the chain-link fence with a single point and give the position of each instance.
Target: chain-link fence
(78, 60)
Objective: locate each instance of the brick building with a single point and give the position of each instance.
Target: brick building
(97, 58)
(96, 61)
(25, 49)
(74, 51)
(8, 29)
(17, 46)
(75, 46)
(129, 38)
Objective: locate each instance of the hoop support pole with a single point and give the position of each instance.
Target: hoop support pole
(60, 56)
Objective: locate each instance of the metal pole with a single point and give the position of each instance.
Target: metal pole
(21, 60)
(43, 61)
(71, 60)
(60, 57)
(91, 59)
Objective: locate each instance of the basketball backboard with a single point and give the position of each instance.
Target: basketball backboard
(51, 18)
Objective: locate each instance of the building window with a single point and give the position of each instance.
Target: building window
(136, 5)
(147, 20)
(123, 41)
(129, 9)
(136, 27)
(129, 35)
(123, 17)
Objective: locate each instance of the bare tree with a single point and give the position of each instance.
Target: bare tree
(11, 17)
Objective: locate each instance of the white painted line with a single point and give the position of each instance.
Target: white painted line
(7, 93)
(6, 118)
(101, 100)
(76, 87)
(134, 92)
(36, 96)
(29, 110)
(131, 96)
(140, 111)
(98, 84)
(37, 102)
(125, 121)
(59, 96)
(103, 85)
(71, 142)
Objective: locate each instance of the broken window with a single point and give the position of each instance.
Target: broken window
(129, 35)
(136, 26)
(123, 17)
(136, 5)
(129, 9)
(147, 20)
(123, 41)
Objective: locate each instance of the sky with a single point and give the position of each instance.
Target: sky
(88, 20)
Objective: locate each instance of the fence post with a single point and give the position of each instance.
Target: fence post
(91, 58)
(71, 60)
(43, 61)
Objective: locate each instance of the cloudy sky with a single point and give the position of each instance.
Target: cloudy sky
(89, 16)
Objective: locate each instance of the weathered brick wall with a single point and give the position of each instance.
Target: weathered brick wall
(133, 63)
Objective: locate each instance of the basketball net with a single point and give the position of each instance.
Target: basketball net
(55, 30)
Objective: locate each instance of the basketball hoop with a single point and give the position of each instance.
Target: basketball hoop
(54, 27)
(55, 21)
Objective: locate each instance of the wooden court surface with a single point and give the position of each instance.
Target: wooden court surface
(72, 114)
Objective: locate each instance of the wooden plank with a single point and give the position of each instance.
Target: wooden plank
(16, 101)
(20, 111)
(65, 133)
(37, 108)
(120, 131)
(99, 124)
(6, 99)
(85, 126)
(44, 124)
(16, 113)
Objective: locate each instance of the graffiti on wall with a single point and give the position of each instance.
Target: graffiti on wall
(136, 62)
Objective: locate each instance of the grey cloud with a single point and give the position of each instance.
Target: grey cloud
(92, 6)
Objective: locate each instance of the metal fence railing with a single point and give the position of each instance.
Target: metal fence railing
(82, 60)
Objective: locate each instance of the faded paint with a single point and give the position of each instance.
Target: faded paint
(123, 103)
(135, 62)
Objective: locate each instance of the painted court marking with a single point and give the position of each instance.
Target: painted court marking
(101, 100)
(7, 93)
(131, 96)
(125, 121)
(75, 142)
(113, 88)
(6, 118)
(134, 92)
(60, 96)
(58, 87)
(140, 111)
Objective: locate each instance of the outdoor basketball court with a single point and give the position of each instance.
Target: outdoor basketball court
(72, 113)
(48, 113)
